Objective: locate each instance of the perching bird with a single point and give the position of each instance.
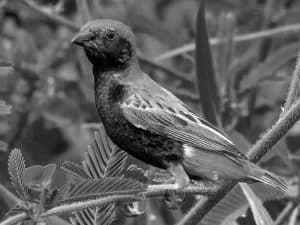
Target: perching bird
(152, 124)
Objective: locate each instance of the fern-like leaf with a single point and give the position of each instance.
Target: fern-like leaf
(75, 170)
(100, 215)
(90, 189)
(103, 159)
(16, 167)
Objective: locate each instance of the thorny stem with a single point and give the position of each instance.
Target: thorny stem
(292, 94)
(153, 190)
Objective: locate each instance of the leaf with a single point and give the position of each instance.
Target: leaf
(75, 170)
(90, 189)
(4, 109)
(260, 214)
(206, 79)
(103, 158)
(16, 167)
(39, 177)
(235, 204)
(101, 215)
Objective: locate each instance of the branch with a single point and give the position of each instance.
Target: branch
(8, 197)
(237, 39)
(55, 17)
(261, 147)
(292, 95)
(169, 71)
(153, 190)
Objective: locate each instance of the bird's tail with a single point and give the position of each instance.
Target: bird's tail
(261, 175)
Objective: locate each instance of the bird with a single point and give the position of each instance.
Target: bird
(150, 123)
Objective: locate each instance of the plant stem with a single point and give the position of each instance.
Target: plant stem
(59, 19)
(237, 39)
(292, 94)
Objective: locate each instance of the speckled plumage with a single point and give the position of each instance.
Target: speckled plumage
(149, 122)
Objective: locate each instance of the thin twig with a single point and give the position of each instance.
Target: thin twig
(277, 131)
(8, 197)
(170, 71)
(237, 39)
(83, 8)
(14, 219)
(73, 26)
(55, 17)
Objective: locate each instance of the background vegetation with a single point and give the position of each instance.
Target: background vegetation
(48, 104)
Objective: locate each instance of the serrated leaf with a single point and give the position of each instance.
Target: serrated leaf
(100, 215)
(90, 189)
(75, 170)
(235, 204)
(103, 158)
(4, 108)
(260, 214)
(16, 167)
(206, 79)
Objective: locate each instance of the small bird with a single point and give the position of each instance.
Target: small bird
(152, 124)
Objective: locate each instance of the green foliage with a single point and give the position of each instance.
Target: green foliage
(208, 88)
(38, 177)
(33, 185)
(75, 171)
(261, 216)
(102, 160)
(16, 167)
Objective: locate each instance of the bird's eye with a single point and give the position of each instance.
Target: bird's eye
(110, 36)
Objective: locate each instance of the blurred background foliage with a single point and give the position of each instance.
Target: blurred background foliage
(49, 84)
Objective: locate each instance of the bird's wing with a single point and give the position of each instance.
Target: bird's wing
(161, 112)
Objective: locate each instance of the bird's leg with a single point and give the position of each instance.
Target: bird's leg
(181, 178)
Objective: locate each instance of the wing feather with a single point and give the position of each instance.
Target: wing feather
(164, 114)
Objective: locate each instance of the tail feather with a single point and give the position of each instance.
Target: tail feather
(266, 177)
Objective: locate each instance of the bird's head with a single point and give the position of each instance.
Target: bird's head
(108, 44)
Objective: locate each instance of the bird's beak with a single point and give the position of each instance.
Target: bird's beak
(82, 37)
